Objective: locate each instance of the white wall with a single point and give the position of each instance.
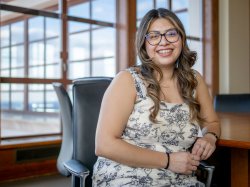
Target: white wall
(234, 46)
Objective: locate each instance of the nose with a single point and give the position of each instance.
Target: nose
(163, 40)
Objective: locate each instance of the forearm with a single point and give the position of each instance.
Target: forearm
(122, 152)
(213, 127)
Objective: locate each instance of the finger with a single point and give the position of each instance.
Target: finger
(210, 153)
(196, 148)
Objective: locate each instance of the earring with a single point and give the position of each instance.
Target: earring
(177, 64)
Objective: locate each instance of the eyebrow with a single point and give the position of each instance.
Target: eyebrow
(164, 31)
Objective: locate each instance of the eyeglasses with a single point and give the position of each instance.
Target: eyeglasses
(154, 37)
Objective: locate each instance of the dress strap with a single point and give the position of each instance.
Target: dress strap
(139, 84)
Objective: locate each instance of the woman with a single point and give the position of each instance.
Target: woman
(151, 114)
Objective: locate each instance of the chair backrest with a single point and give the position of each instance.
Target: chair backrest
(236, 103)
(65, 105)
(87, 98)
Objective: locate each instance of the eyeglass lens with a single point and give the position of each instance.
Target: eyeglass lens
(154, 38)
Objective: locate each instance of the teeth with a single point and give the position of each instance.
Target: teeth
(164, 51)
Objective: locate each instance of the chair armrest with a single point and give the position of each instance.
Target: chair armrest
(76, 168)
(205, 175)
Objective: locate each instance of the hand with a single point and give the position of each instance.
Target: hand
(183, 162)
(204, 146)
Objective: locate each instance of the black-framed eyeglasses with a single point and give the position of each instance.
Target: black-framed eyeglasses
(154, 37)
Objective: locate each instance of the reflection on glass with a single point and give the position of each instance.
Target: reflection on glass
(179, 4)
(79, 46)
(17, 56)
(104, 10)
(52, 27)
(4, 35)
(143, 6)
(103, 42)
(104, 67)
(36, 28)
(80, 10)
(78, 70)
(36, 53)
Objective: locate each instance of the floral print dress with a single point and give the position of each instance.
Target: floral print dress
(174, 133)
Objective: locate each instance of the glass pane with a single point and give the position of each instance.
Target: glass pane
(17, 96)
(52, 104)
(52, 27)
(5, 58)
(104, 67)
(77, 26)
(162, 4)
(17, 56)
(183, 16)
(52, 51)
(4, 35)
(78, 70)
(79, 46)
(104, 42)
(179, 4)
(104, 10)
(197, 46)
(36, 98)
(5, 73)
(36, 72)
(17, 72)
(17, 33)
(80, 10)
(53, 71)
(28, 122)
(36, 53)
(36, 28)
(5, 96)
(143, 6)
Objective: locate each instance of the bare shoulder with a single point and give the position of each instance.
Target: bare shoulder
(123, 78)
(123, 85)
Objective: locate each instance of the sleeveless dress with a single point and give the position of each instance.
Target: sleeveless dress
(174, 133)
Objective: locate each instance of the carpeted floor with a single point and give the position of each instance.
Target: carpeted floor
(43, 181)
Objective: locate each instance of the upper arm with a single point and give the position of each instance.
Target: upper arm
(117, 105)
(205, 100)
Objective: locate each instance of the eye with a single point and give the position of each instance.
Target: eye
(172, 33)
(153, 36)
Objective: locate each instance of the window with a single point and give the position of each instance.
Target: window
(30, 59)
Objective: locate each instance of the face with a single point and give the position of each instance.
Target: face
(165, 53)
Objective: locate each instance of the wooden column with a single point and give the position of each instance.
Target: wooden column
(126, 29)
(211, 44)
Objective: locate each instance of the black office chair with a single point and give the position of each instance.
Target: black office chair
(66, 150)
(237, 103)
(87, 97)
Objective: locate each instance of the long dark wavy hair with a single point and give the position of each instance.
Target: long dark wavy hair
(185, 75)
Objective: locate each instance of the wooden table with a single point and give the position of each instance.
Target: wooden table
(235, 134)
